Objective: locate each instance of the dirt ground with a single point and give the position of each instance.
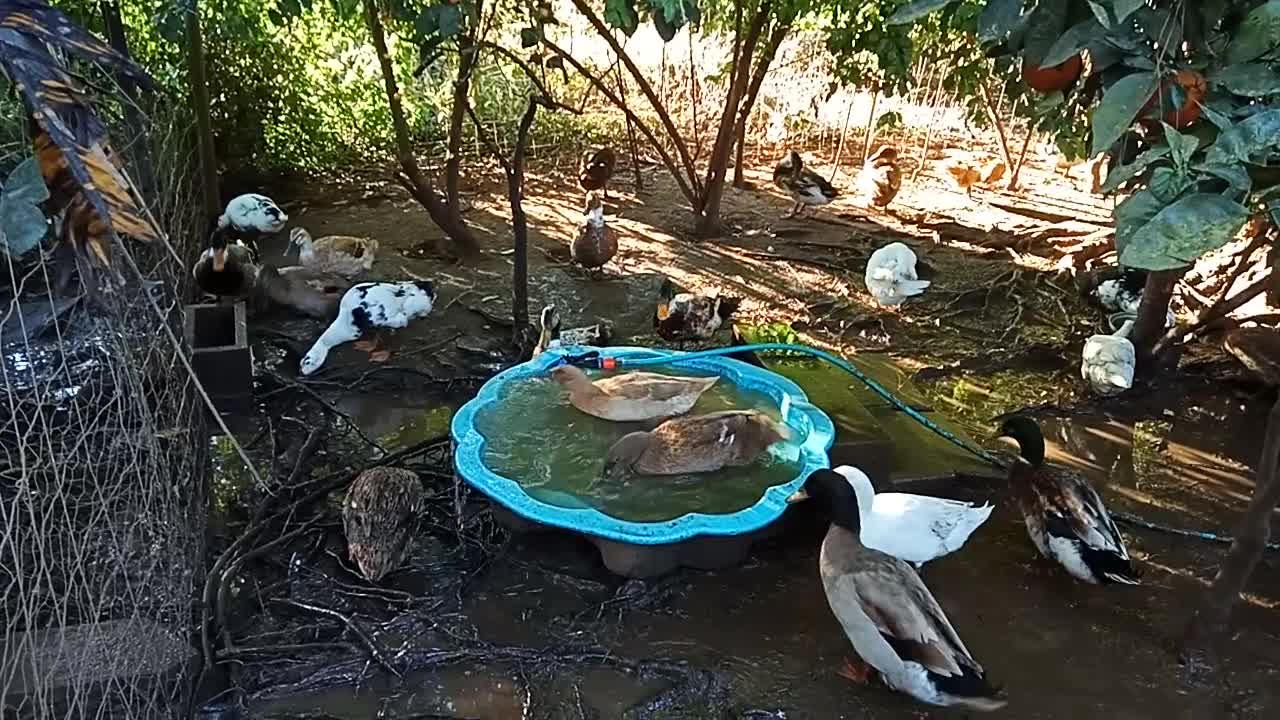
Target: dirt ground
(1000, 329)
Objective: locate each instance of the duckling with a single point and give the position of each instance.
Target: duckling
(1108, 361)
(888, 613)
(1258, 349)
(633, 396)
(806, 187)
(915, 528)
(551, 335)
(303, 290)
(250, 217)
(881, 177)
(682, 316)
(225, 269)
(891, 274)
(342, 254)
(596, 168)
(596, 243)
(1065, 516)
(371, 306)
(379, 517)
(695, 444)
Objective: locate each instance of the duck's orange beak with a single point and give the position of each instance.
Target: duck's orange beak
(219, 259)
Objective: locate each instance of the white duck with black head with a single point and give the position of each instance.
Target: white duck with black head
(250, 217)
(371, 307)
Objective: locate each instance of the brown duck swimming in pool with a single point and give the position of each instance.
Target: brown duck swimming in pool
(633, 396)
(379, 516)
(695, 444)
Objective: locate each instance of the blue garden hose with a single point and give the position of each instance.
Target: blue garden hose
(596, 360)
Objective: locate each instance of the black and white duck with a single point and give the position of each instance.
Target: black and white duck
(681, 316)
(371, 306)
(550, 335)
(1064, 515)
(250, 217)
(806, 187)
(893, 621)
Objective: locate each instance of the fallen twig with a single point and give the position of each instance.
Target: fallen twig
(368, 641)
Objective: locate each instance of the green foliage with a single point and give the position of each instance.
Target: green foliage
(22, 222)
(1213, 68)
(668, 16)
(621, 14)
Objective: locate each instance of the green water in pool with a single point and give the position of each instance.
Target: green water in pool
(555, 451)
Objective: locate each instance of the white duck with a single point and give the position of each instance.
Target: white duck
(342, 254)
(371, 306)
(891, 274)
(251, 216)
(915, 528)
(1108, 361)
(887, 612)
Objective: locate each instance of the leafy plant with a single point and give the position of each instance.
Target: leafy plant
(22, 222)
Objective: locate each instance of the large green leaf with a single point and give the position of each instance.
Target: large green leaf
(1248, 79)
(1168, 184)
(998, 19)
(1044, 26)
(915, 10)
(677, 13)
(22, 222)
(1183, 231)
(1124, 173)
(1182, 147)
(1072, 41)
(1233, 173)
(1122, 9)
(1246, 139)
(1257, 34)
(1134, 213)
(1119, 106)
(621, 14)
(449, 19)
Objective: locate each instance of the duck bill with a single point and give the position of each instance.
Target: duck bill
(219, 259)
(797, 496)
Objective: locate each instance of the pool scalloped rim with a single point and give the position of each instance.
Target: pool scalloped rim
(469, 447)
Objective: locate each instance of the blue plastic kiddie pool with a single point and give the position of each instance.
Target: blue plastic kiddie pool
(812, 426)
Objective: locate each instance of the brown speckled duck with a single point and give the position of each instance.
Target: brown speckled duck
(1065, 516)
(596, 168)
(695, 444)
(881, 177)
(596, 243)
(303, 290)
(633, 396)
(681, 316)
(379, 517)
(550, 335)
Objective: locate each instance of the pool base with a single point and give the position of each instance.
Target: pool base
(648, 561)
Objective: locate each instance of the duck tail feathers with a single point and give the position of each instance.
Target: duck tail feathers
(1111, 567)
(970, 689)
(912, 287)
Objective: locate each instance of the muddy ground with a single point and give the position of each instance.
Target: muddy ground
(534, 625)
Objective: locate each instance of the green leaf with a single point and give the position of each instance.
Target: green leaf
(915, 10)
(1257, 34)
(1246, 139)
(555, 62)
(1048, 103)
(1168, 184)
(1124, 173)
(1046, 24)
(449, 20)
(998, 19)
(1216, 116)
(1102, 13)
(1124, 8)
(666, 30)
(1132, 214)
(1180, 233)
(1248, 79)
(427, 22)
(1274, 208)
(530, 36)
(1119, 106)
(1233, 173)
(1071, 42)
(621, 14)
(22, 222)
(1182, 147)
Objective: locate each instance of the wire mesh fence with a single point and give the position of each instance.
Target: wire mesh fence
(102, 456)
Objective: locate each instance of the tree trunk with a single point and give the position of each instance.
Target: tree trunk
(411, 175)
(994, 114)
(1209, 624)
(870, 130)
(767, 54)
(467, 52)
(520, 228)
(196, 70)
(1148, 328)
(717, 166)
(140, 147)
(1022, 158)
(631, 132)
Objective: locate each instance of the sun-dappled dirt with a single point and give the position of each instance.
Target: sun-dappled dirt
(1000, 329)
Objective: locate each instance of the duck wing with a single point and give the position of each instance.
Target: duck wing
(652, 386)
(1073, 510)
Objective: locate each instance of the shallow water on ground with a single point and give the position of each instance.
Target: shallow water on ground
(555, 451)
